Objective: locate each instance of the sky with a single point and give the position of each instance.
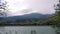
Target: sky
(21, 7)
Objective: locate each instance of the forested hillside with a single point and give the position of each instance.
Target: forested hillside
(54, 19)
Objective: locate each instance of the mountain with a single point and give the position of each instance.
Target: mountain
(29, 16)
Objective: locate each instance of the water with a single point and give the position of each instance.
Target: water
(28, 30)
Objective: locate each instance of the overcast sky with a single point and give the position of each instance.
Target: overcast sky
(19, 7)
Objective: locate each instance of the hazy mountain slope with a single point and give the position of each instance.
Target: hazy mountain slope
(29, 16)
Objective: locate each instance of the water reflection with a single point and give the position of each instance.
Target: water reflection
(33, 32)
(57, 30)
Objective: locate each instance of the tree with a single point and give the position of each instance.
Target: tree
(3, 11)
(57, 8)
(3, 8)
(56, 19)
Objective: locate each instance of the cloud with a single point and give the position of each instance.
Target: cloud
(38, 6)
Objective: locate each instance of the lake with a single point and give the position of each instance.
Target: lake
(27, 30)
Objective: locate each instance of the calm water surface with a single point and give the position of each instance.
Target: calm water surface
(28, 30)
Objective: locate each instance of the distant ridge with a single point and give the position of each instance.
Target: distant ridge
(29, 16)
